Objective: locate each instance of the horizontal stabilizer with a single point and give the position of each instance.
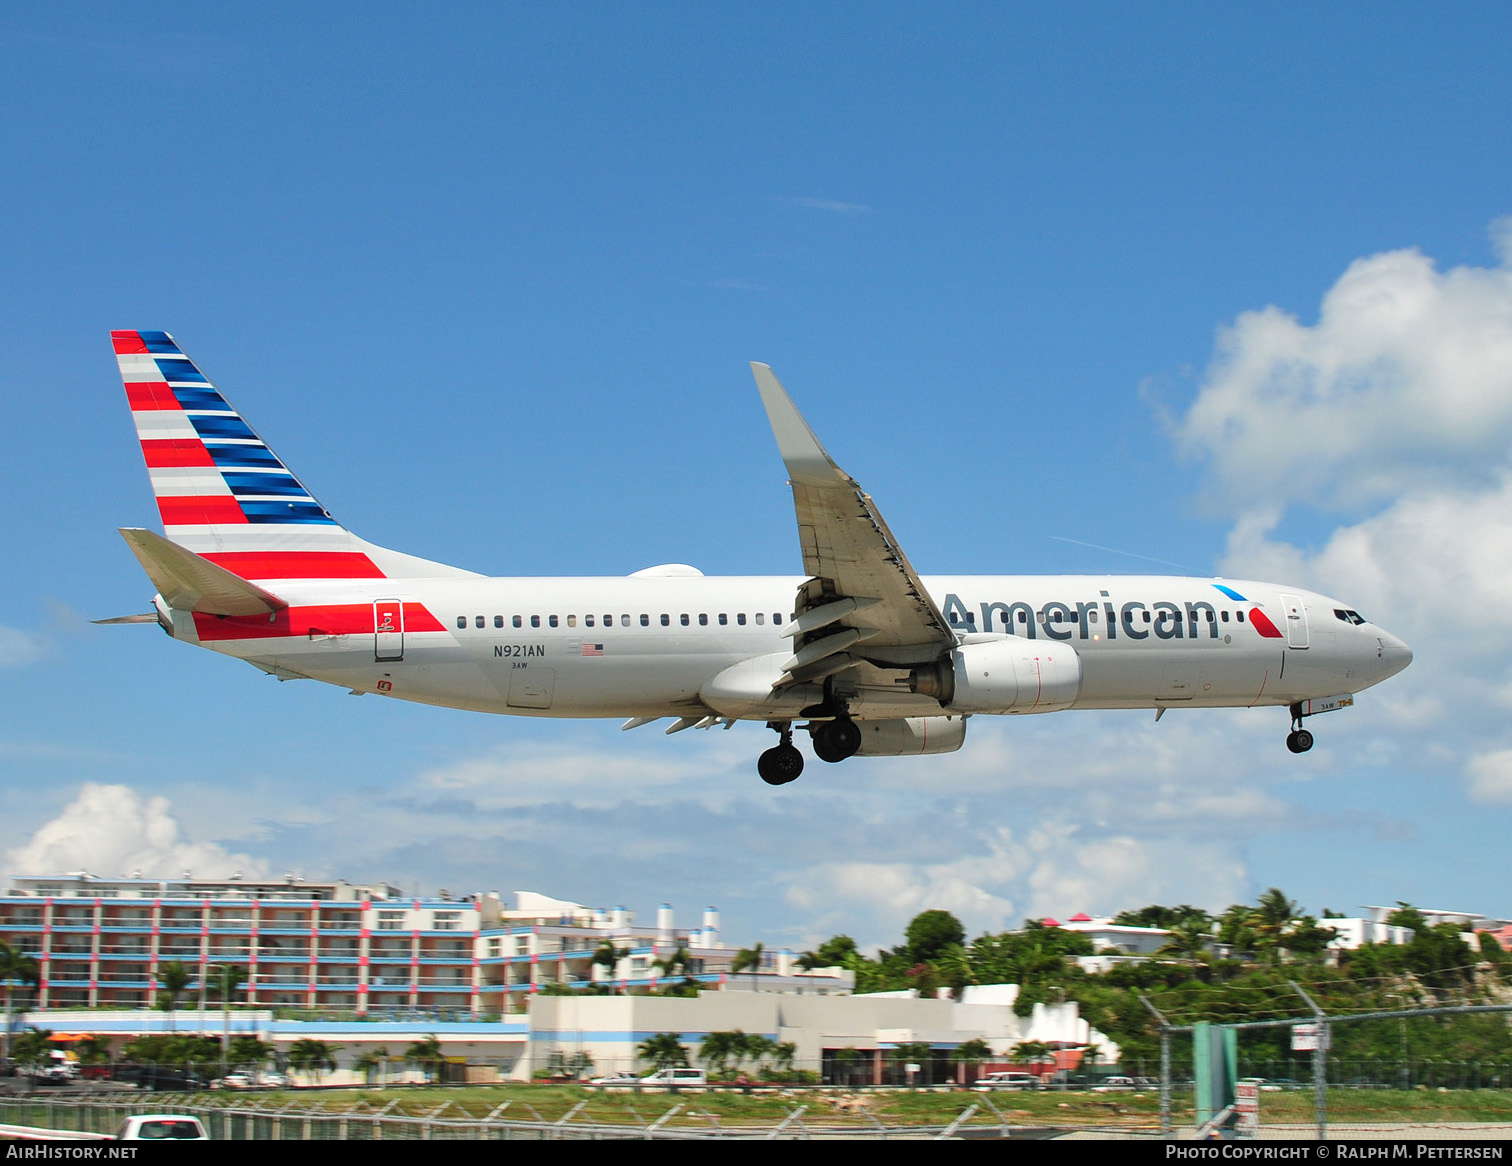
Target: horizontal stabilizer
(190, 582)
(145, 617)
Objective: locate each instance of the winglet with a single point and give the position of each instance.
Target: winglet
(801, 452)
(191, 582)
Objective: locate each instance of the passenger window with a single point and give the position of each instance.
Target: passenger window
(498, 621)
(480, 621)
(1023, 616)
(666, 620)
(760, 617)
(1092, 615)
(703, 620)
(740, 618)
(645, 621)
(552, 620)
(1147, 617)
(608, 621)
(535, 621)
(572, 621)
(723, 619)
(587, 621)
(461, 621)
(685, 619)
(1210, 617)
(1239, 615)
(777, 617)
(1225, 616)
(625, 621)
(517, 621)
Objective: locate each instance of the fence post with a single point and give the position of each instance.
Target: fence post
(1320, 1061)
(1166, 1129)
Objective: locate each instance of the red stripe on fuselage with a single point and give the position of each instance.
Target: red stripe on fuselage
(336, 619)
(1262, 624)
(167, 452)
(199, 510)
(127, 342)
(147, 395)
(297, 564)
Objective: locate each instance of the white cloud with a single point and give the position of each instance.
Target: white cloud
(1405, 380)
(111, 830)
(1491, 777)
(18, 648)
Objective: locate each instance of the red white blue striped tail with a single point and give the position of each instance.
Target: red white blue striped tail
(222, 492)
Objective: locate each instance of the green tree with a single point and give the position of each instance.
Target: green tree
(718, 1049)
(427, 1054)
(913, 1052)
(17, 969)
(931, 932)
(32, 1046)
(607, 956)
(312, 1056)
(748, 957)
(224, 981)
(251, 1052)
(372, 1062)
(1036, 1054)
(173, 979)
(664, 1050)
(969, 1054)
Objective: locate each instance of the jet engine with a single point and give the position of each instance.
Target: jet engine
(1004, 674)
(911, 736)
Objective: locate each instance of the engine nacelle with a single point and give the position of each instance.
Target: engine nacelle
(911, 736)
(1006, 674)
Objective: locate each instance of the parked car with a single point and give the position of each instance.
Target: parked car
(616, 1079)
(676, 1077)
(1114, 1085)
(1007, 1080)
(162, 1127)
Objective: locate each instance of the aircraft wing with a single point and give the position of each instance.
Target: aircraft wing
(862, 596)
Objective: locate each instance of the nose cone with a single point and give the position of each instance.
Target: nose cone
(1394, 655)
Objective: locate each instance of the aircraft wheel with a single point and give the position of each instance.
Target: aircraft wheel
(780, 764)
(1299, 741)
(836, 740)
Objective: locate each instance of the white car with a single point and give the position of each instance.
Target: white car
(676, 1077)
(1114, 1085)
(1007, 1081)
(162, 1127)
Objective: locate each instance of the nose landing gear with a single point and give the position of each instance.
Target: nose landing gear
(1299, 740)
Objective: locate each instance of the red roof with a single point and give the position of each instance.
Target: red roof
(1081, 917)
(1048, 922)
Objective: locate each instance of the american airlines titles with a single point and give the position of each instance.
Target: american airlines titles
(1066, 621)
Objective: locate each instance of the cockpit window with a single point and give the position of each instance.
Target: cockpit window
(1351, 617)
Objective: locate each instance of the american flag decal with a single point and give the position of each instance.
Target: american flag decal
(593, 649)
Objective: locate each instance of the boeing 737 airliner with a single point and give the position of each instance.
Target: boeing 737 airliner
(861, 652)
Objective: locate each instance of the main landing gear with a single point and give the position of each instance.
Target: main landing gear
(1299, 740)
(781, 763)
(834, 741)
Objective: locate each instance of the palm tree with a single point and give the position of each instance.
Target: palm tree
(970, 1052)
(224, 980)
(671, 963)
(607, 956)
(374, 1058)
(1035, 1053)
(748, 957)
(717, 1049)
(664, 1050)
(427, 1054)
(312, 1056)
(15, 967)
(173, 979)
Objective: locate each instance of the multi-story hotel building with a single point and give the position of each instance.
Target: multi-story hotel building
(101, 943)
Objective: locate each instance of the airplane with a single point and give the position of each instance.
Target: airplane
(861, 652)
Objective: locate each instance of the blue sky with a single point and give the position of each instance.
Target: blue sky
(1221, 286)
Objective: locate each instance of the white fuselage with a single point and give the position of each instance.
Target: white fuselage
(653, 646)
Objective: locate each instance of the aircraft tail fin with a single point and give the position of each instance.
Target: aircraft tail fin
(222, 493)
